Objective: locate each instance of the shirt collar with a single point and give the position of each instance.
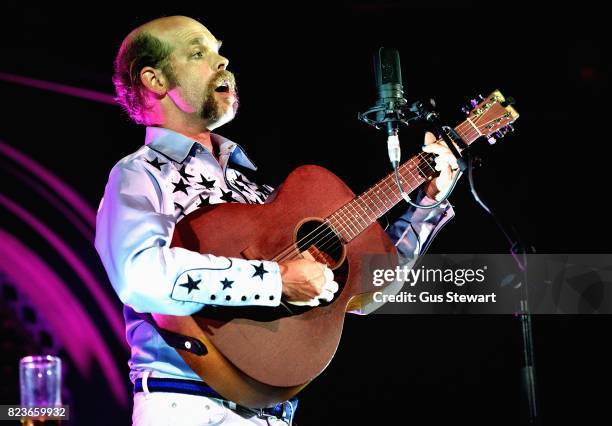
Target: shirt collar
(177, 146)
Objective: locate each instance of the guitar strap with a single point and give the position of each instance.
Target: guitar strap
(175, 340)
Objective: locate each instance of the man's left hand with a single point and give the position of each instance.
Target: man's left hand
(446, 164)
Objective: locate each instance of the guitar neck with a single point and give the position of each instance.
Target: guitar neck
(354, 217)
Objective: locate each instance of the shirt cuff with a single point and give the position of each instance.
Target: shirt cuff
(242, 283)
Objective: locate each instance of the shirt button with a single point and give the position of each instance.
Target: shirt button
(187, 345)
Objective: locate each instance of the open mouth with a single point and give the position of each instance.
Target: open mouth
(224, 87)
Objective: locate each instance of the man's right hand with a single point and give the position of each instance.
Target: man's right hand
(305, 280)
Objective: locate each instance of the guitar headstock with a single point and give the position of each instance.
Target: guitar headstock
(493, 116)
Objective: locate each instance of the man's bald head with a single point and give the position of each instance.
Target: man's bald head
(168, 27)
(149, 45)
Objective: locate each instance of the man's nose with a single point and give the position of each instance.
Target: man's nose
(222, 63)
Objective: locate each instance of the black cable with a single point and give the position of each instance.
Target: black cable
(406, 197)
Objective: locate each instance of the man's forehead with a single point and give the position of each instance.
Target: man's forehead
(194, 33)
(195, 39)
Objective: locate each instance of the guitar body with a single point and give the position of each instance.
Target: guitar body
(257, 356)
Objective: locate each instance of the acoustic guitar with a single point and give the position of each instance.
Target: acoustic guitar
(257, 356)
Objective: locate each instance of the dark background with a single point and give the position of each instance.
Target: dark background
(304, 70)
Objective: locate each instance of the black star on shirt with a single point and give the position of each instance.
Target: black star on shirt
(227, 283)
(241, 180)
(180, 186)
(205, 182)
(184, 174)
(155, 163)
(259, 271)
(240, 187)
(204, 201)
(190, 284)
(227, 196)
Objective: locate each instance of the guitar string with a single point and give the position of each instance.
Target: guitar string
(333, 236)
(291, 250)
(329, 241)
(324, 244)
(307, 239)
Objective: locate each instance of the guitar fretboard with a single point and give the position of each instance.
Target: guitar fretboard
(352, 218)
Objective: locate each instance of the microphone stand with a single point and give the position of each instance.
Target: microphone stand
(517, 250)
(386, 115)
(519, 254)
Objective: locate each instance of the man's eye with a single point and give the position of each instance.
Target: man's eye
(197, 55)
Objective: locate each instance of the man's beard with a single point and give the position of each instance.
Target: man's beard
(213, 111)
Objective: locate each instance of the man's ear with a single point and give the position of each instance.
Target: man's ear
(153, 79)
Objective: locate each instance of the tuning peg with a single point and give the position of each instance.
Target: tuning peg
(474, 102)
(500, 134)
(466, 110)
(480, 97)
(491, 140)
(510, 128)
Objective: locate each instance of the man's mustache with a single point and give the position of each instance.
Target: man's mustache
(223, 77)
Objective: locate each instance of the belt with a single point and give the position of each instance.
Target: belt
(195, 387)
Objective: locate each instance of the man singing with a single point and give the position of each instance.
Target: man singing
(171, 78)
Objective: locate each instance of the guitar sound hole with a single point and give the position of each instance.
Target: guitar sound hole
(321, 242)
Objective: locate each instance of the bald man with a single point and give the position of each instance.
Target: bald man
(171, 78)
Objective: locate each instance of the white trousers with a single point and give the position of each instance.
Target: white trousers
(170, 409)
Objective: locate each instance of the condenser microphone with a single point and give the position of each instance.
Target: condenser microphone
(388, 77)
